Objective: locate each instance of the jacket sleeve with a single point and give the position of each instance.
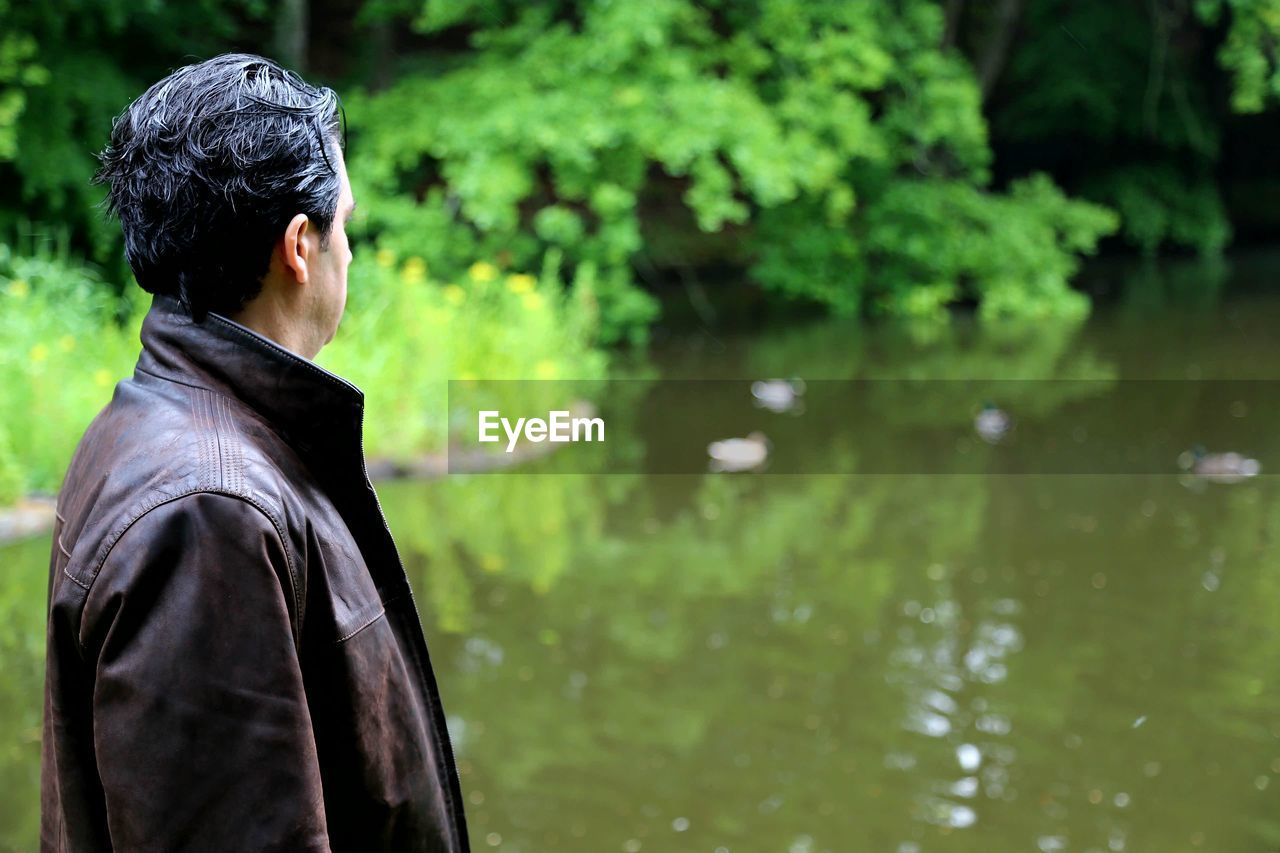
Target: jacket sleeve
(202, 732)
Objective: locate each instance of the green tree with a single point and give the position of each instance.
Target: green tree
(836, 151)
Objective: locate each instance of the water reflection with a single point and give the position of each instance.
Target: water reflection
(864, 662)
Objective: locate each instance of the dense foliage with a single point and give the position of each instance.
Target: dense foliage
(1248, 51)
(870, 158)
(834, 150)
(66, 69)
(837, 153)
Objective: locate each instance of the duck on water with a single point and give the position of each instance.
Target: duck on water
(1227, 467)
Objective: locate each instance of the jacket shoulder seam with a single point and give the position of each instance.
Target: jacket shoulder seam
(159, 500)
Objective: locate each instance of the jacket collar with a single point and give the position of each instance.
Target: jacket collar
(307, 404)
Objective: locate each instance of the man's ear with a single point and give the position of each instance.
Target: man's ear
(294, 248)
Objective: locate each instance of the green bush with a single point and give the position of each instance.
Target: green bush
(61, 352)
(12, 482)
(62, 349)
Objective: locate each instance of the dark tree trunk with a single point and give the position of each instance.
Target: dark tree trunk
(382, 38)
(995, 52)
(291, 35)
(954, 10)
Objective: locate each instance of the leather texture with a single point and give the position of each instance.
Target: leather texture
(234, 656)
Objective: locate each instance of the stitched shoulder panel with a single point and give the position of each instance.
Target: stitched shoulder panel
(219, 443)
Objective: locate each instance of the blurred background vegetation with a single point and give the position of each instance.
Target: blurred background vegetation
(739, 189)
(543, 180)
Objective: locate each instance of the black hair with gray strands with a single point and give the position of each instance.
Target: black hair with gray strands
(208, 166)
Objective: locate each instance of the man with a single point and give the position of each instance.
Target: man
(235, 661)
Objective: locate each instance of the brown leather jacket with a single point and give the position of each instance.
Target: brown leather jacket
(235, 660)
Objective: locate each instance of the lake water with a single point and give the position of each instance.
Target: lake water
(928, 661)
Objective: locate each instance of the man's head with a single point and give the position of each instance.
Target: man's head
(230, 185)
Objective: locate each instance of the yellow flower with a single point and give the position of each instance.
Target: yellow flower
(492, 562)
(628, 96)
(454, 295)
(39, 352)
(19, 288)
(102, 377)
(481, 271)
(545, 369)
(521, 283)
(532, 301)
(414, 270)
(385, 258)
(66, 343)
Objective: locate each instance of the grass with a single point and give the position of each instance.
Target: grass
(61, 352)
(63, 347)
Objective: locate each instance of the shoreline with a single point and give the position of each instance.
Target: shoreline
(33, 515)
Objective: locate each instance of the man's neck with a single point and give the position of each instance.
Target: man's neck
(270, 318)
